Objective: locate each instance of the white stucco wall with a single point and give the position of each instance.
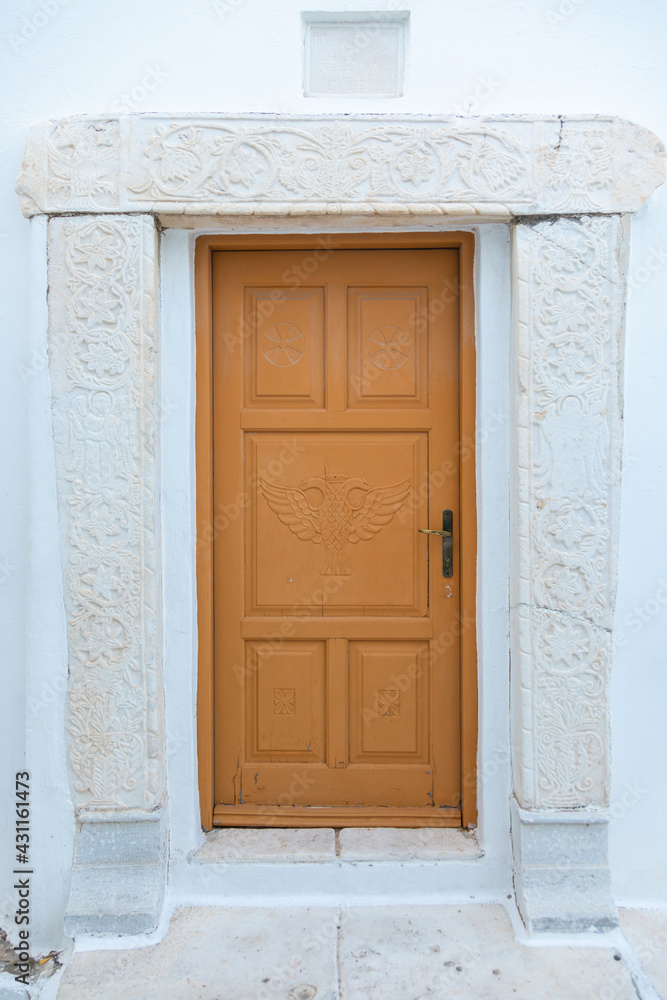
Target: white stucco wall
(487, 56)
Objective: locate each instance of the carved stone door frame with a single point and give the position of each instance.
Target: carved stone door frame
(566, 187)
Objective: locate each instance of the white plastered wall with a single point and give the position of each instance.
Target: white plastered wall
(244, 55)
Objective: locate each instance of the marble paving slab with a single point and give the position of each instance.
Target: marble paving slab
(406, 845)
(261, 845)
(646, 932)
(212, 953)
(467, 952)
(362, 953)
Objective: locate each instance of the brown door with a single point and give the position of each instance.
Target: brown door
(335, 432)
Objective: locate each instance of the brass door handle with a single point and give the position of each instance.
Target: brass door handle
(447, 541)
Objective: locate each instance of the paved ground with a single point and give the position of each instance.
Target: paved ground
(369, 953)
(646, 933)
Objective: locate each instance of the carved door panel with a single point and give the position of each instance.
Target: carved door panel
(336, 429)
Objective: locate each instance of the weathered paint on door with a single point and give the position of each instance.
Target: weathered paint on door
(336, 644)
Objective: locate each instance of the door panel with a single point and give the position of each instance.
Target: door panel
(284, 347)
(389, 685)
(388, 347)
(333, 511)
(336, 429)
(286, 701)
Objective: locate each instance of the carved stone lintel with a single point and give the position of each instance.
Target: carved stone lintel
(277, 165)
(102, 356)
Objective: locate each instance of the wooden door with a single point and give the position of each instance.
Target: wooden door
(335, 425)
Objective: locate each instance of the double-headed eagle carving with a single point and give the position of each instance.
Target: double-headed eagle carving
(335, 510)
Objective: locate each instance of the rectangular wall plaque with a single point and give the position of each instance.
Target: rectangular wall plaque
(360, 54)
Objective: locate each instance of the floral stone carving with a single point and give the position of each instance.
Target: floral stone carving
(242, 164)
(569, 324)
(102, 340)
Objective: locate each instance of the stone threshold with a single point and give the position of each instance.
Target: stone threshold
(326, 867)
(356, 844)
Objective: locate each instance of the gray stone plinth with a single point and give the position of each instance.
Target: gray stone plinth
(119, 875)
(561, 868)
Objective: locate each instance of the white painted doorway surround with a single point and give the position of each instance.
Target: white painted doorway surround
(563, 190)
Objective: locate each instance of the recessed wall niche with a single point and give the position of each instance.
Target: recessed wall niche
(360, 54)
